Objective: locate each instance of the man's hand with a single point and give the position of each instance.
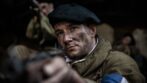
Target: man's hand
(56, 71)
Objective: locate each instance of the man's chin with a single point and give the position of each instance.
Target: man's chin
(73, 54)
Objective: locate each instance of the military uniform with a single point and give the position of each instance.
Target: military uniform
(103, 61)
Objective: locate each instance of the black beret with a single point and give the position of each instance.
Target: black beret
(73, 13)
(47, 1)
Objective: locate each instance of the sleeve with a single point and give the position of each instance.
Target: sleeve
(30, 27)
(45, 24)
(114, 78)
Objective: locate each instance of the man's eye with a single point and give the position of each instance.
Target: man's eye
(73, 28)
(59, 33)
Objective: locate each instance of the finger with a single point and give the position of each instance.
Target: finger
(37, 64)
(34, 71)
(56, 65)
(58, 77)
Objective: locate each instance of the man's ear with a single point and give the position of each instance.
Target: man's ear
(92, 30)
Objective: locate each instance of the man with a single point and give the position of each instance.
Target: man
(39, 31)
(90, 56)
(39, 28)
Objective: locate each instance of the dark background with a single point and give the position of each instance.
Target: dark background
(16, 13)
(123, 15)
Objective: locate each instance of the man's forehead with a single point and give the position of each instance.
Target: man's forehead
(64, 24)
(61, 25)
(68, 25)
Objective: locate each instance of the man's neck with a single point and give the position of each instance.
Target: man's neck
(95, 44)
(83, 59)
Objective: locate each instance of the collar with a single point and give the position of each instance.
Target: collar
(95, 58)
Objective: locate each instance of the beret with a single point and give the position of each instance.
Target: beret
(73, 13)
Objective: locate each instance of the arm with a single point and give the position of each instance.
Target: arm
(55, 71)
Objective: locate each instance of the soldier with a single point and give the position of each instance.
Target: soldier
(90, 57)
(39, 28)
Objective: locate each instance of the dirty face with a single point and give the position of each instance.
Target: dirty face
(76, 40)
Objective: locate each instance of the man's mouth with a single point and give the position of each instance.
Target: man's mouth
(69, 48)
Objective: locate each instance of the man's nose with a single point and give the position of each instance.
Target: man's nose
(67, 38)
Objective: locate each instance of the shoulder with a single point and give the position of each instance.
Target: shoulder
(120, 62)
(120, 57)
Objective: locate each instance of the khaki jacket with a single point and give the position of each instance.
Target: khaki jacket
(104, 61)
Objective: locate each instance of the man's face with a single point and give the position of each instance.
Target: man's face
(76, 40)
(46, 8)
